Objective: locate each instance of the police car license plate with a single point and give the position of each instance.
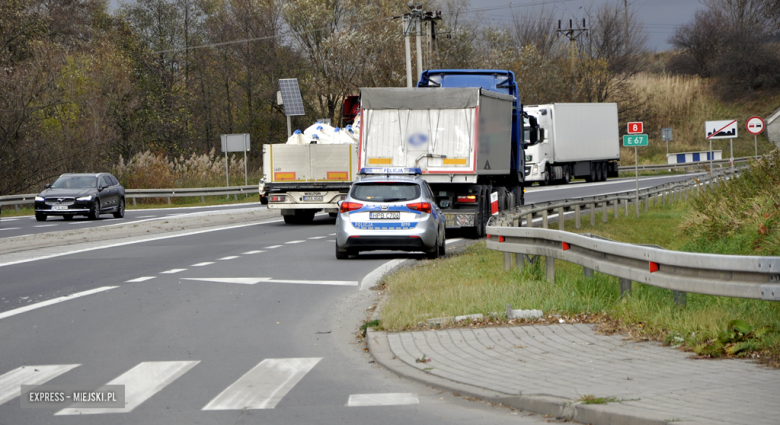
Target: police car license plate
(312, 198)
(385, 215)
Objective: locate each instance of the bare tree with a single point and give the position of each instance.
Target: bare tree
(698, 42)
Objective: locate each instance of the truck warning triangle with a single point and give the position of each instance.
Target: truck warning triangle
(487, 165)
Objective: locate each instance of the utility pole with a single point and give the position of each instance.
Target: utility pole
(572, 34)
(625, 9)
(412, 22)
(407, 23)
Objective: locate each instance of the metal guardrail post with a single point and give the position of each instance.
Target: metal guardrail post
(507, 261)
(550, 269)
(617, 204)
(561, 218)
(529, 221)
(520, 262)
(593, 214)
(680, 298)
(604, 213)
(626, 207)
(577, 217)
(587, 272)
(544, 219)
(625, 287)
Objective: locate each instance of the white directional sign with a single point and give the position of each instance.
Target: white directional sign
(755, 125)
(726, 129)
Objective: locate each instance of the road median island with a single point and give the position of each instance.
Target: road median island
(122, 229)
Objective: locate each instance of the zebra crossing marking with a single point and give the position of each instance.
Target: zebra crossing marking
(11, 382)
(386, 399)
(264, 385)
(141, 383)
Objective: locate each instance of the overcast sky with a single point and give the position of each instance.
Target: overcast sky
(660, 17)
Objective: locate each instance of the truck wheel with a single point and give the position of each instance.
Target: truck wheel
(566, 174)
(547, 177)
(333, 215)
(593, 173)
(290, 219)
(604, 171)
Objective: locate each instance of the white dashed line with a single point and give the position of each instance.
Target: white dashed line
(14, 312)
(252, 252)
(272, 246)
(318, 237)
(202, 264)
(47, 225)
(294, 242)
(10, 219)
(80, 222)
(331, 234)
(228, 258)
(12, 228)
(172, 271)
(141, 279)
(389, 399)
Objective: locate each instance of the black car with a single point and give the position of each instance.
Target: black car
(81, 194)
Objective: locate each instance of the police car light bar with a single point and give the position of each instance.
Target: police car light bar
(390, 170)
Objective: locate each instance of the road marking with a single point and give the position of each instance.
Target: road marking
(172, 271)
(264, 385)
(387, 399)
(254, 280)
(146, 216)
(447, 242)
(202, 264)
(228, 258)
(12, 228)
(252, 252)
(141, 279)
(11, 383)
(319, 237)
(331, 234)
(141, 383)
(240, 280)
(114, 245)
(272, 246)
(10, 219)
(294, 242)
(46, 225)
(80, 222)
(24, 309)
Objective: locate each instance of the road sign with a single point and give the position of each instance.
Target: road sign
(726, 129)
(635, 140)
(754, 125)
(635, 127)
(666, 134)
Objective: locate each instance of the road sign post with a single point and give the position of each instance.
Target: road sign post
(635, 140)
(666, 135)
(754, 126)
(725, 129)
(235, 143)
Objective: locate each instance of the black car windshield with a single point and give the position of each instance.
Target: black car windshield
(75, 182)
(386, 192)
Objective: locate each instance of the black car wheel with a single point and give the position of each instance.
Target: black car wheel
(340, 255)
(40, 217)
(442, 247)
(94, 214)
(120, 210)
(435, 253)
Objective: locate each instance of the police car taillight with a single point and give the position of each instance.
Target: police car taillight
(467, 199)
(420, 206)
(350, 206)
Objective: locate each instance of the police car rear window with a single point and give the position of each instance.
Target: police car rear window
(386, 192)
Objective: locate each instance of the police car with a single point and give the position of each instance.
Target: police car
(389, 209)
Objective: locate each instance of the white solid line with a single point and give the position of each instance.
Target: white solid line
(228, 258)
(172, 271)
(264, 385)
(11, 382)
(46, 225)
(316, 282)
(94, 248)
(239, 280)
(80, 222)
(294, 242)
(318, 237)
(146, 216)
(24, 309)
(272, 246)
(12, 228)
(331, 234)
(387, 399)
(252, 252)
(141, 279)
(202, 264)
(141, 383)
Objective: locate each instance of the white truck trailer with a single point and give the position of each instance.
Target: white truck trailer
(301, 180)
(576, 140)
(461, 139)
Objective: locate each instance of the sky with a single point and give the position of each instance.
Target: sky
(659, 17)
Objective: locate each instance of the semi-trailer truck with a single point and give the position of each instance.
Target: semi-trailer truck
(573, 140)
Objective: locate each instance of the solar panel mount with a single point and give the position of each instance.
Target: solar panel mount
(291, 97)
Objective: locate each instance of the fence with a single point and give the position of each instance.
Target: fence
(134, 194)
(682, 272)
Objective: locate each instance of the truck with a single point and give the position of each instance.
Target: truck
(462, 128)
(303, 179)
(572, 140)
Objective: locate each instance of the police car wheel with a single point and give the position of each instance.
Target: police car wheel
(435, 253)
(341, 255)
(442, 247)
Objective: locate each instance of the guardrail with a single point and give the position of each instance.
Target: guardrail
(681, 272)
(686, 166)
(134, 194)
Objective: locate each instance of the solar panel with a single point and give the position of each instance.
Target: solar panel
(291, 97)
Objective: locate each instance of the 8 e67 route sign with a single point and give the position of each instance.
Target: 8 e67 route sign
(635, 140)
(635, 127)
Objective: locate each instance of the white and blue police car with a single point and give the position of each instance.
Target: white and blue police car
(389, 209)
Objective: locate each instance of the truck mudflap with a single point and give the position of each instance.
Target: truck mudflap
(459, 219)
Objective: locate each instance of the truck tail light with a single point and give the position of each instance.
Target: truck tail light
(420, 206)
(467, 199)
(277, 198)
(350, 206)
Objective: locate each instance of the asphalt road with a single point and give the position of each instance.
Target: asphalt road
(243, 325)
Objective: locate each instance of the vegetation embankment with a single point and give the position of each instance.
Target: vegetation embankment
(739, 217)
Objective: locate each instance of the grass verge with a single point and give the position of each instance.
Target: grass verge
(475, 282)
